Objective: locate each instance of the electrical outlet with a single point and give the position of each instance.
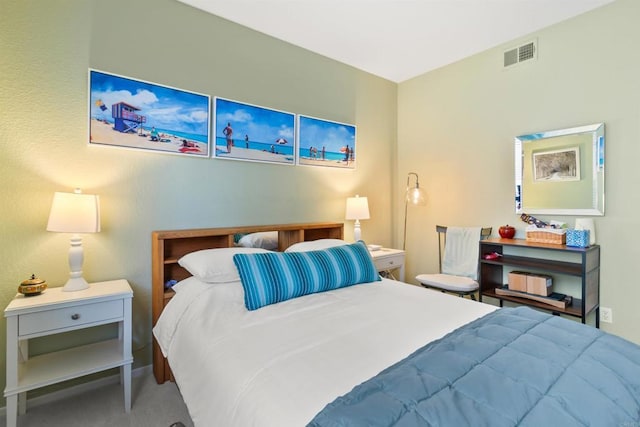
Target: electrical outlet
(606, 315)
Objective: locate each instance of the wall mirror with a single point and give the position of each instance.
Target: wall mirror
(561, 172)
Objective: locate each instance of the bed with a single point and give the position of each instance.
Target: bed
(377, 352)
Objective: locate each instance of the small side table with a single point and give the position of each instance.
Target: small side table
(54, 312)
(387, 260)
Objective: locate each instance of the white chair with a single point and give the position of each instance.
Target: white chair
(458, 260)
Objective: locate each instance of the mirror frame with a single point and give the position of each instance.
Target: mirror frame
(527, 144)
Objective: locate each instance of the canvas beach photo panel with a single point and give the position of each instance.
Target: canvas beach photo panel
(130, 113)
(326, 143)
(252, 133)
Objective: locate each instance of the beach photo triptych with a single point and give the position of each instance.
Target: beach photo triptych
(135, 114)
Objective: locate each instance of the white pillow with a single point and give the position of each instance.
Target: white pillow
(215, 265)
(262, 239)
(315, 245)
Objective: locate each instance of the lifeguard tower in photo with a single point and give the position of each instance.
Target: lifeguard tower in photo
(125, 117)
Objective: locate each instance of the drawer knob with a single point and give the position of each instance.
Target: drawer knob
(75, 316)
(391, 262)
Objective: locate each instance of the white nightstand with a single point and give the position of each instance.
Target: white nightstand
(386, 260)
(53, 312)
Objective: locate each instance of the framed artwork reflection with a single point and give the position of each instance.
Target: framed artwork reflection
(326, 143)
(557, 165)
(252, 133)
(131, 113)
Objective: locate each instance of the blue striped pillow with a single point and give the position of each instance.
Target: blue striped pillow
(269, 278)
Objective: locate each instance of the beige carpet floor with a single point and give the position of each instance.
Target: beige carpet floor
(152, 405)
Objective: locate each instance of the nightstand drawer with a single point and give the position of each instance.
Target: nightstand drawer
(389, 262)
(68, 317)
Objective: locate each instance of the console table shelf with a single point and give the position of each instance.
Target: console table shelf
(586, 269)
(572, 310)
(563, 267)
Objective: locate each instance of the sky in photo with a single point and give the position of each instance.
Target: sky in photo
(259, 124)
(321, 133)
(165, 108)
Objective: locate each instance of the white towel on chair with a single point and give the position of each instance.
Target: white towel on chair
(461, 251)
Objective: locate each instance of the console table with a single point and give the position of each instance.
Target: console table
(583, 265)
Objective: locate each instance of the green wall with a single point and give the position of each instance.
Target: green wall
(46, 50)
(456, 129)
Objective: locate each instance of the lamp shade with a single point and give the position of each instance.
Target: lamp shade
(357, 208)
(416, 196)
(74, 213)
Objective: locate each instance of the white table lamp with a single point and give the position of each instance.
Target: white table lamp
(357, 208)
(75, 213)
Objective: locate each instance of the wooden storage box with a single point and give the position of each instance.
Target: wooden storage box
(531, 283)
(539, 284)
(551, 235)
(518, 281)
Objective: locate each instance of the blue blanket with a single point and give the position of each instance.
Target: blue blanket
(515, 366)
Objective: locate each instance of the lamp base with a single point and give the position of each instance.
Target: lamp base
(76, 256)
(357, 233)
(75, 284)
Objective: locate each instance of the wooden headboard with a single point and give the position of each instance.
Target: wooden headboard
(169, 246)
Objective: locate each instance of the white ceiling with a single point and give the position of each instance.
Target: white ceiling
(396, 39)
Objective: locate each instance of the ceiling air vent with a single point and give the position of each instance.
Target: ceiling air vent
(526, 52)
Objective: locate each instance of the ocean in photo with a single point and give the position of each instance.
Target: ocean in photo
(285, 149)
(328, 155)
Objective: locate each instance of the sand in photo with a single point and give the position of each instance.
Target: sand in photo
(103, 133)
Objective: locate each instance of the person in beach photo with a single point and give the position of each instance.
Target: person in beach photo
(246, 141)
(228, 133)
(154, 134)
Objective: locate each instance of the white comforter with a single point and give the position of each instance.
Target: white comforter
(280, 365)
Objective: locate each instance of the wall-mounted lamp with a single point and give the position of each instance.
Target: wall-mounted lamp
(413, 196)
(75, 213)
(357, 208)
